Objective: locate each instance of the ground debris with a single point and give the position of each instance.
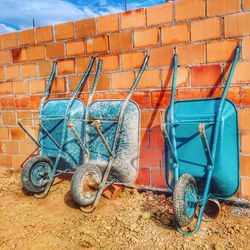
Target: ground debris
(134, 221)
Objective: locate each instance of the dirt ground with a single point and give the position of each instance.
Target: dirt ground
(134, 221)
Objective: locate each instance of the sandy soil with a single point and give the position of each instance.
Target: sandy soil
(134, 221)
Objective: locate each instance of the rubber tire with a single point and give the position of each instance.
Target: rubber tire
(76, 183)
(179, 204)
(26, 173)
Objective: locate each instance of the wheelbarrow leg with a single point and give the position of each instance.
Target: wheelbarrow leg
(210, 167)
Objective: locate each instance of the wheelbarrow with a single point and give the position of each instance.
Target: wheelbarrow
(112, 147)
(201, 152)
(59, 151)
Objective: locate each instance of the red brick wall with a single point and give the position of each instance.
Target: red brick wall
(204, 33)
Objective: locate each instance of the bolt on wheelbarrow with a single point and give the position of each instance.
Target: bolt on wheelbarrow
(201, 152)
(112, 147)
(59, 151)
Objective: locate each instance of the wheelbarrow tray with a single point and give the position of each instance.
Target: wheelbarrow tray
(191, 156)
(53, 115)
(125, 167)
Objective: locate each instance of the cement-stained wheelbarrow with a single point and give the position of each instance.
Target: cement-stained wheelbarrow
(59, 151)
(201, 152)
(111, 147)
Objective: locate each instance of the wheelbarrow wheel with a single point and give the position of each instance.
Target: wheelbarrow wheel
(35, 173)
(185, 200)
(85, 183)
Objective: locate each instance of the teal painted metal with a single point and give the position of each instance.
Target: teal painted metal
(202, 140)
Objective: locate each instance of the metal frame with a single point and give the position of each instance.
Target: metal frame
(65, 117)
(210, 153)
(112, 150)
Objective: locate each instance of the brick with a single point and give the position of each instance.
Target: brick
(44, 34)
(144, 138)
(245, 96)
(156, 139)
(20, 87)
(206, 29)
(207, 75)
(25, 115)
(162, 56)
(173, 34)
(82, 64)
(5, 57)
(29, 70)
(64, 31)
(2, 75)
(36, 53)
(191, 53)
(110, 62)
(37, 86)
(4, 133)
(27, 147)
(149, 80)
(75, 48)
(246, 4)
(150, 119)
(10, 147)
(85, 28)
(19, 55)
(74, 81)
(244, 118)
(220, 51)
(146, 37)
(221, 7)
(189, 9)
(6, 88)
(23, 102)
(5, 161)
(107, 24)
(246, 48)
(132, 60)
(244, 165)
(55, 50)
(120, 41)
(245, 142)
(183, 77)
(143, 99)
(17, 133)
(65, 67)
(9, 118)
(58, 85)
(103, 83)
(122, 80)
(160, 14)
(26, 37)
(143, 177)
(112, 192)
(158, 178)
(241, 74)
(9, 40)
(151, 157)
(133, 19)
(1, 44)
(45, 68)
(237, 25)
(12, 72)
(97, 44)
(160, 99)
(245, 187)
(18, 161)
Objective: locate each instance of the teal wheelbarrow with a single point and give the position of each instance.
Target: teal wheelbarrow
(201, 152)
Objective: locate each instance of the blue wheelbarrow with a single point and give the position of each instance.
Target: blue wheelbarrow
(59, 151)
(110, 146)
(201, 152)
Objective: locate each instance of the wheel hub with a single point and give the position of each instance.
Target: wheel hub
(90, 185)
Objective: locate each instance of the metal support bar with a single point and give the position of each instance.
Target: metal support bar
(48, 134)
(205, 144)
(28, 133)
